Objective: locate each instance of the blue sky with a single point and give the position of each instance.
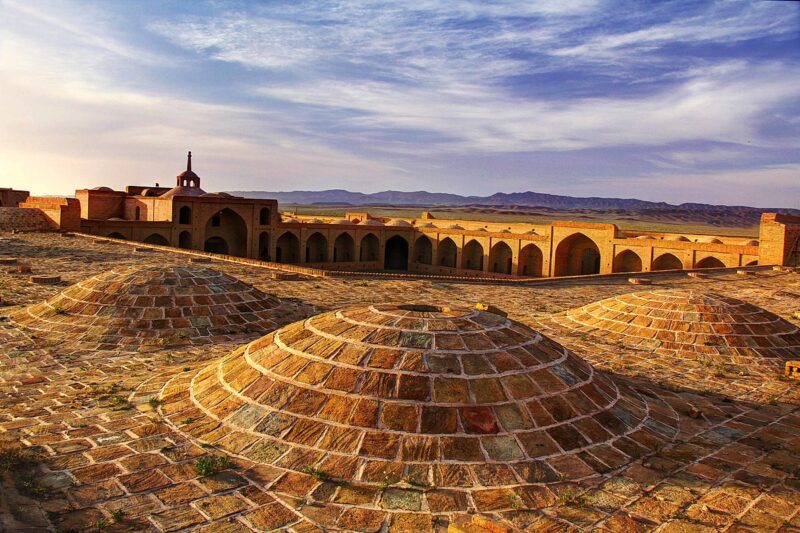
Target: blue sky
(672, 101)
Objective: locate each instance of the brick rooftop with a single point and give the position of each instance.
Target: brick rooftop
(361, 406)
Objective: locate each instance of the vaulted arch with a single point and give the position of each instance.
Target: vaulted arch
(287, 248)
(423, 250)
(317, 248)
(447, 253)
(344, 248)
(396, 254)
(501, 258)
(627, 261)
(263, 246)
(472, 257)
(229, 227)
(185, 240)
(157, 238)
(530, 261)
(709, 262)
(185, 215)
(370, 248)
(577, 255)
(667, 262)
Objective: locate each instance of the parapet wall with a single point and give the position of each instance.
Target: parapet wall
(19, 219)
(61, 213)
(779, 239)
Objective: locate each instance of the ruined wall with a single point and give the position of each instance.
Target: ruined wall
(61, 213)
(19, 219)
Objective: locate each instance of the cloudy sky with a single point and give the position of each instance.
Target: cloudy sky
(678, 101)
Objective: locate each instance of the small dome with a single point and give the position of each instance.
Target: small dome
(688, 324)
(710, 240)
(155, 307)
(289, 220)
(454, 226)
(217, 194)
(645, 237)
(313, 221)
(341, 222)
(105, 189)
(531, 232)
(680, 238)
(751, 243)
(370, 222)
(426, 225)
(399, 223)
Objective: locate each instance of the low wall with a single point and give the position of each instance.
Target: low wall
(19, 219)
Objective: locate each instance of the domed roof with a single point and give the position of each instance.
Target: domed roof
(217, 194)
(531, 232)
(454, 226)
(313, 221)
(156, 306)
(751, 243)
(677, 238)
(710, 240)
(342, 222)
(453, 398)
(647, 237)
(688, 324)
(370, 222)
(426, 225)
(399, 222)
(288, 220)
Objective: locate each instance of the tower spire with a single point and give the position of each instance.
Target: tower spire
(189, 161)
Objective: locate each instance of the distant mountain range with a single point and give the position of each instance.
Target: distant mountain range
(521, 199)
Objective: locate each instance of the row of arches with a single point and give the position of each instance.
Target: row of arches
(185, 215)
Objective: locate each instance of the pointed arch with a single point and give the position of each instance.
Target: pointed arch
(577, 255)
(287, 248)
(156, 238)
(185, 240)
(472, 257)
(447, 253)
(501, 258)
(709, 262)
(396, 254)
(531, 260)
(423, 250)
(344, 248)
(316, 248)
(369, 248)
(667, 262)
(627, 261)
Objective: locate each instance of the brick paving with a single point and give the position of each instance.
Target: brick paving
(120, 447)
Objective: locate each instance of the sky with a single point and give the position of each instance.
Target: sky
(663, 101)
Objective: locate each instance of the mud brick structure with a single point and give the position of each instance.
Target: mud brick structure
(689, 324)
(475, 406)
(140, 308)
(185, 216)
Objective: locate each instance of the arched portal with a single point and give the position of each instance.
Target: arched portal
(369, 248)
(263, 246)
(344, 248)
(185, 215)
(264, 216)
(709, 262)
(287, 248)
(447, 253)
(501, 258)
(216, 245)
(423, 250)
(627, 261)
(530, 261)
(185, 240)
(472, 258)
(227, 226)
(667, 262)
(396, 254)
(156, 238)
(317, 248)
(115, 235)
(577, 255)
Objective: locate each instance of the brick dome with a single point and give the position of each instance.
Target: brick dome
(688, 324)
(466, 401)
(137, 307)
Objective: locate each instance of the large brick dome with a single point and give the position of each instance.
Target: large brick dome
(138, 307)
(688, 324)
(451, 407)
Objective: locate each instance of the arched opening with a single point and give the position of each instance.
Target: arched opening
(263, 246)
(156, 238)
(396, 254)
(344, 248)
(137, 213)
(577, 255)
(317, 248)
(709, 262)
(116, 235)
(500, 258)
(185, 215)
(447, 253)
(216, 245)
(185, 240)
(530, 261)
(472, 258)
(287, 249)
(229, 227)
(667, 262)
(369, 248)
(627, 261)
(264, 216)
(423, 250)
